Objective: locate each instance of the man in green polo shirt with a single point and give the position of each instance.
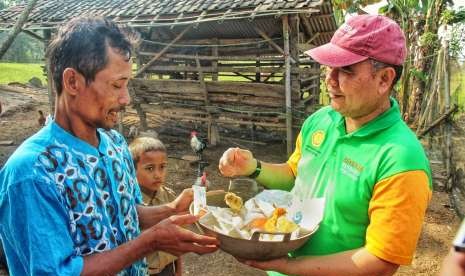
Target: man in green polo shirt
(359, 155)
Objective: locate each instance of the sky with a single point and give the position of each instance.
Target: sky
(373, 9)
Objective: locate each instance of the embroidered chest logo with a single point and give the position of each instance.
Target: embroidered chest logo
(351, 168)
(317, 138)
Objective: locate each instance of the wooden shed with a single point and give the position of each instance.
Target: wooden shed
(215, 62)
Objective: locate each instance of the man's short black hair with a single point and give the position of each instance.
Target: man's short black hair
(82, 44)
(397, 68)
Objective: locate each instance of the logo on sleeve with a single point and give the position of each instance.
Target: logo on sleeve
(317, 138)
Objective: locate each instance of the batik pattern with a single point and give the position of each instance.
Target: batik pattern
(99, 192)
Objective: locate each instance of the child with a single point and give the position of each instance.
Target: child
(150, 160)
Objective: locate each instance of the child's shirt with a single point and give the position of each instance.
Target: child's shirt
(158, 260)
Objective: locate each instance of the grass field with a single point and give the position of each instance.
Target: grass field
(20, 72)
(457, 88)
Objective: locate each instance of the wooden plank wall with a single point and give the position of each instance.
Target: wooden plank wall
(233, 103)
(191, 80)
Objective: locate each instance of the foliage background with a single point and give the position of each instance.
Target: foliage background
(24, 49)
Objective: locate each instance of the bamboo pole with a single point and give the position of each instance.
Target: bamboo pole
(155, 58)
(216, 57)
(438, 120)
(447, 128)
(427, 113)
(271, 42)
(257, 64)
(120, 122)
(136, 100)
(271, 75)
(138, 108)
(213, 134)
(244, 76)
(228, 69)
(294, 53)
(220, 121)
(214, 62)
(287, 84)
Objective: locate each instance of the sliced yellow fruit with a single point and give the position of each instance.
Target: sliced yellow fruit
(276, 223)
(283, 225)
(233, 201)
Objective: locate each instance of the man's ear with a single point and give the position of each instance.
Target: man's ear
(73, 81)
(386, 80)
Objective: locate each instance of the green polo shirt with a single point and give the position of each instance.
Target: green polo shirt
(376, 182)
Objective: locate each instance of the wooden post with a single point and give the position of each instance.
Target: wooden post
(138, 60)
(50, 86)
(143, 117)
(258, 74)
(294, 54)
(287, 84)
(120, 122)
(215, 62)
(436, 122)
(137, 106)
(447, 128)
(213, 134)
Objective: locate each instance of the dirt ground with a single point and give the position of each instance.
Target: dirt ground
(19, 120)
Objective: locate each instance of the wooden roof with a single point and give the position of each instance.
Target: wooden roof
(49, 13)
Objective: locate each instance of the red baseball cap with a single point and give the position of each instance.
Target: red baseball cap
(362, 37)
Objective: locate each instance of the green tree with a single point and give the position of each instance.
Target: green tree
(16, 46)
(6, 3)
(24, 49)
(420, 20)
(456, 18)
(343, 7)
(411, 16)
(17, 28)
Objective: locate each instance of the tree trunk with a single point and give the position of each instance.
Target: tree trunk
(403, 93)
(17, 28)
(418, 86)
(422, 62)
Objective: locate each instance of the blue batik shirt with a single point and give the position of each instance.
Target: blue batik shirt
(62, 199)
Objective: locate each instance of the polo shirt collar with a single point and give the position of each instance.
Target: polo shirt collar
(383, 121)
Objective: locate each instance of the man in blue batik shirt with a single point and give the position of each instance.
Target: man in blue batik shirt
(69, 200)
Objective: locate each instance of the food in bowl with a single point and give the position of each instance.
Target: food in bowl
(276, 223)
(233, 201)
(231, 229)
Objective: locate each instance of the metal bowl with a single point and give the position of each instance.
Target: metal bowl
(253, 249)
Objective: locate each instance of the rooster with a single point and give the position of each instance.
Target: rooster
(41, 119)
(133, 132)
(197, 144)
(202, 180)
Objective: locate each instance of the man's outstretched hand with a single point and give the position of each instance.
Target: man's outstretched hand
(169, 236)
